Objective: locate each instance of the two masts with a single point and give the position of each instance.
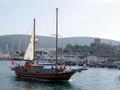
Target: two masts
(32, 70)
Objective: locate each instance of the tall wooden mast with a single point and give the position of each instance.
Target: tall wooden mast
(34, 40)
(30, 51)
(56, 36)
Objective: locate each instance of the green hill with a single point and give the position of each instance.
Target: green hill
(16, 42)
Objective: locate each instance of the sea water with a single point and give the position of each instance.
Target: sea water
(91, 79)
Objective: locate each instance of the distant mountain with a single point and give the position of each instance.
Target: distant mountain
(15, 42)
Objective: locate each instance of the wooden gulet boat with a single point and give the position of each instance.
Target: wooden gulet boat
(32, 70)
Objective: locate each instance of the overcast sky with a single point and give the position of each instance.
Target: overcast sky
(93, 18)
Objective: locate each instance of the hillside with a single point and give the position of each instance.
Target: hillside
(15, 42)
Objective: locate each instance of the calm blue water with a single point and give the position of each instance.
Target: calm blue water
(91, 79)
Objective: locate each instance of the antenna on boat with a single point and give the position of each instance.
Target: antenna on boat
(56, 37)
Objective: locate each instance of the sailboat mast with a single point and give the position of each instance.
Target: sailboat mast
(30, 51)
(34, 40)
(56, 36)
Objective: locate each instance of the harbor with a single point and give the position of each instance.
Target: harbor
(60, 45)
(91, 79)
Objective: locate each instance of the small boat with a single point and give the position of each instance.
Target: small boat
(33, 70)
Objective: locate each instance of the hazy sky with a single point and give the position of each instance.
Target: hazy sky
(94, 18)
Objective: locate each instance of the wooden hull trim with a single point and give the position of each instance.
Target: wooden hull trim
(46, 77)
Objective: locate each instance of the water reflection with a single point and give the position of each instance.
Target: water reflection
(31, 84)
